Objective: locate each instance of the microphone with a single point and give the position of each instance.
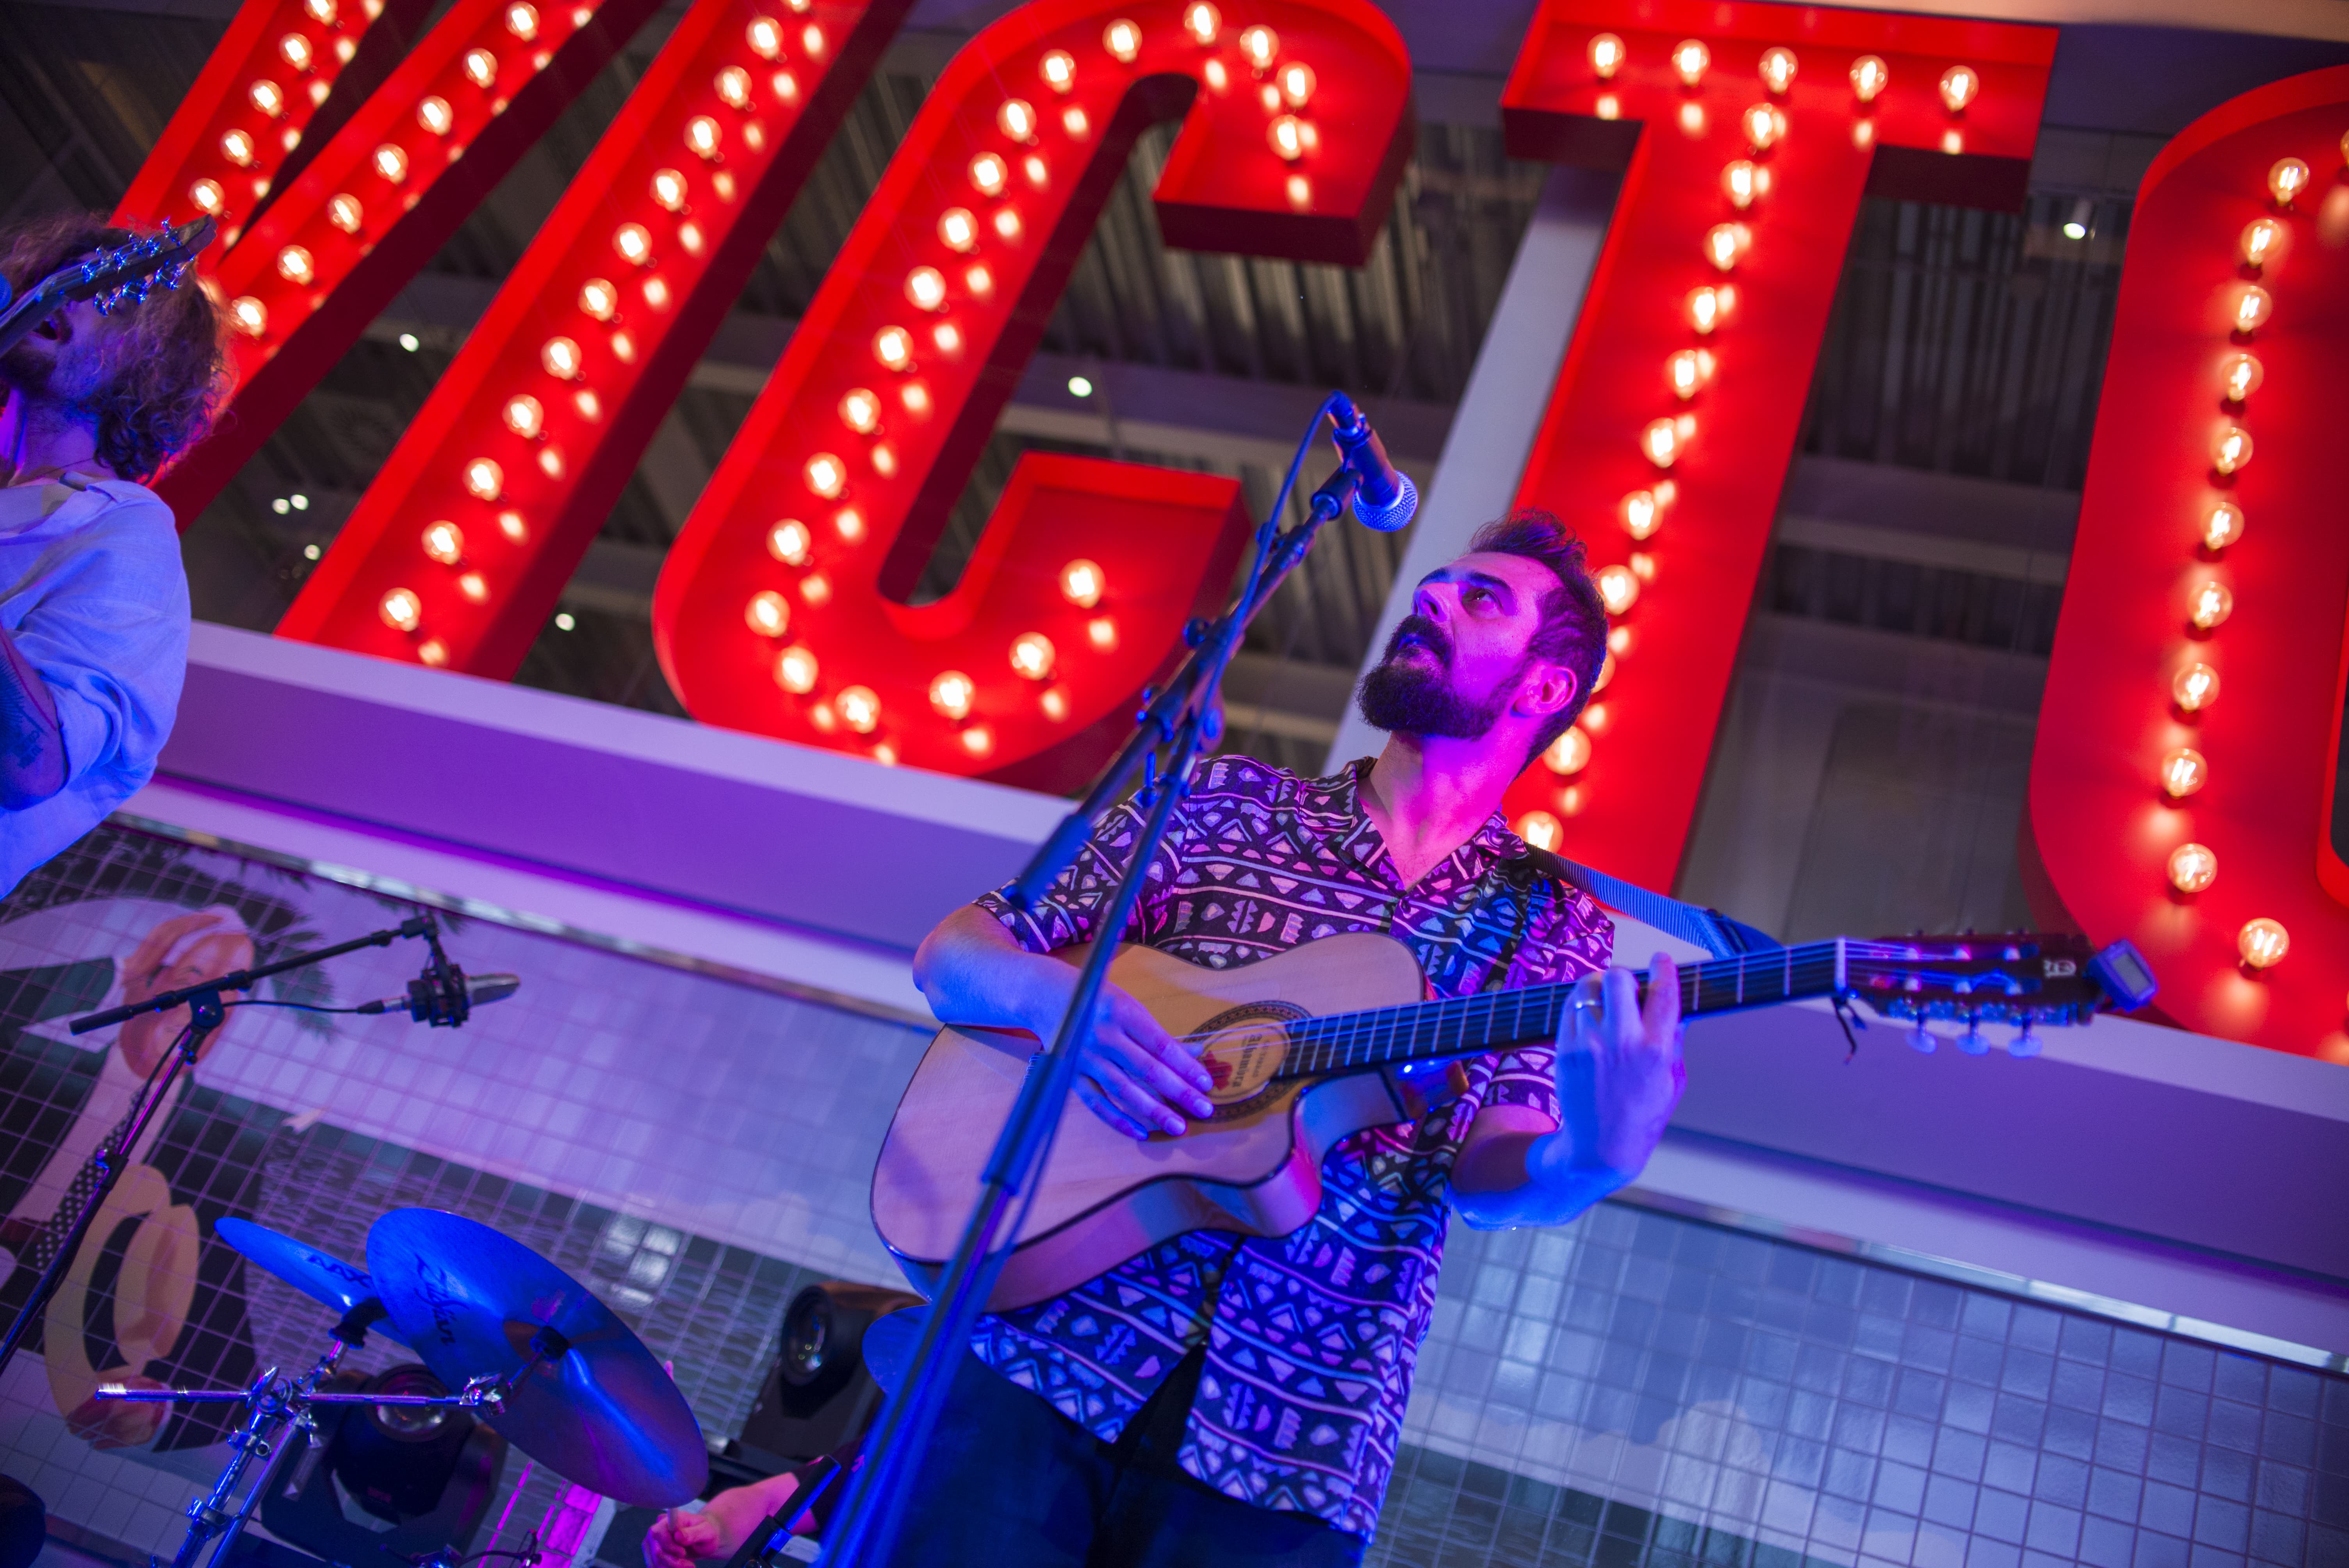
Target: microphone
(1384, 497)
(426, 1000)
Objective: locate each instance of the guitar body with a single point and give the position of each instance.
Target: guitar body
(1254, 1168)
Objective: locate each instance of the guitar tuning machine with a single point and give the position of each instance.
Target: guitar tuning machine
(1923, 1040)
(1973, 1042)
(2026, 1042)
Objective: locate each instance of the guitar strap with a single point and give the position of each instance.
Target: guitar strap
(1710, 928)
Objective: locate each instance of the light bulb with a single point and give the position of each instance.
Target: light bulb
(915, 398)
(2212, 606)
(1081, 583)
(1764, 125)
(812, 41)
(702, 136)
(988, 176)
(1032, 656)
(345, 213)
(1202, 21)
(978, 740)
(1618, 586)
(1018, 119)
(1777, 70)
(788, 541)
(2196, 687)
(956, 227)
(2287, 180)
(1743, 180)
(444, 543)
(249, 315)
(1689, 370)
(860, 710)
(2262, 943)
(1102, 633)
(1297, 83)
(2241, 376)
(435, 116)
(484, 479)
(295, 51)
(1541, 830)
(1869, 76)
(2223, 526)
(267, 98)
(894, 347)
(237, 146)
(2259, 241)
(1122, 39)
(634, 242)
(401, 610)
(2253, 308)
(978, 281)
(1055, 703)
(1690, 59)
(524, 416)
(599, 299)
(733, 85)
(860, 410)
(1642, 516)
(826, 475)
(1724, 244)
(951, 694)
(390, 162)
(473, 586)
(1661, 441)
(1287, 135)
(769, 614)
(522, 21)
(1037, 175)
(481, 69)
(295, 266)
(795, 670)
(1570, 753)
(1606, 55)
(1959, 85)
(585, 401)
(947, 336)
(560, 359)
(2193, 867)
(2184, 771)
(1705, 308)
(1259, 44)
(668, 190)
(1074, 122)
(207, 195)
(766, 38)
(1007, 223)
(322, 12)
(926, 287)
(2230, 448)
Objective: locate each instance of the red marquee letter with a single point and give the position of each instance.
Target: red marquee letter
(2181, 790)
(457, 553)
(1747, 134)
(780, 608)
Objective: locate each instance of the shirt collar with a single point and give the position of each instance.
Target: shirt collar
(1340, 796)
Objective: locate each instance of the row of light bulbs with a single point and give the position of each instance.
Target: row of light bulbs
(2261, 943)
(1959, 85)
(930, 287)
(243, 145)
(600, 300)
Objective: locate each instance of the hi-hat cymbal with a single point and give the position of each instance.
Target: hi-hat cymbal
(321, 1276)
(594, 1405)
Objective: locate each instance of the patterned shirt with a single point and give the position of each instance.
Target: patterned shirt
(1310, 1337)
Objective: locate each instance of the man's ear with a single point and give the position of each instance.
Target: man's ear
(1549, 688)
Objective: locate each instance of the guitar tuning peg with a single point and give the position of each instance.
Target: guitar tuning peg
(1973, 1042)
(2025, 1042)
(1923, 1040)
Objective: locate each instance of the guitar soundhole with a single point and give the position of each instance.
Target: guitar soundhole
(1245, 1047)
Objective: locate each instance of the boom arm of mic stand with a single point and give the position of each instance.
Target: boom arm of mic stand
(242, 979)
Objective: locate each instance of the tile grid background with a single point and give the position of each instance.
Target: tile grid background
(1636, 1388)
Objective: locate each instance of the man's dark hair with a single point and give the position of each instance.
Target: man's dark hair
(166, 363)
(1573, 629)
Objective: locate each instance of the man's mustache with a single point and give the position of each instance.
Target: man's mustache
(1426, 632)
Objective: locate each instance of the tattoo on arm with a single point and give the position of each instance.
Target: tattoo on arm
(32, 746)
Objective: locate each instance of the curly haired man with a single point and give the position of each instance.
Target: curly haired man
(93, 599)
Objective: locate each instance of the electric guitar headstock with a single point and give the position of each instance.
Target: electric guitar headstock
(115, 276)
(2023, 978)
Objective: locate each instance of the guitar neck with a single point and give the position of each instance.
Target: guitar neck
(1495, 1020)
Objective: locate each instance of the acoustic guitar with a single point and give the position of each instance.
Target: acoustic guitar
(1309, 1046)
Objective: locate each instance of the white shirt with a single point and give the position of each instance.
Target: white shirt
(92, 590)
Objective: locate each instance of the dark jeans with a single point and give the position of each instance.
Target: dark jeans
(1009, 1479)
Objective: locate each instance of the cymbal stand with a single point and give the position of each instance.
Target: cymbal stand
(1176, 724)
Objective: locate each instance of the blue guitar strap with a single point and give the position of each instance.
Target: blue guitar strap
(1710, 928)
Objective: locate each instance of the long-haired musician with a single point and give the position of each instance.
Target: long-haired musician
(93, 599)
(1233, 1400)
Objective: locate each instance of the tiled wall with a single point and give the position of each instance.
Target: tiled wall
(1633, 1388)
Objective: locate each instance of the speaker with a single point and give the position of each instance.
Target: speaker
(818, 1397)
(384, 1485)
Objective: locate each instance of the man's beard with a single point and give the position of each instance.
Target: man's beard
(1410, 699)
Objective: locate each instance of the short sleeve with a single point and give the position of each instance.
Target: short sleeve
(1070, 908)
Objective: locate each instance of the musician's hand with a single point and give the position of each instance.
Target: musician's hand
(1135, 1075)
(1619, 1072)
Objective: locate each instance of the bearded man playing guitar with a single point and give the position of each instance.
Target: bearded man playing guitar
(1236, 1399)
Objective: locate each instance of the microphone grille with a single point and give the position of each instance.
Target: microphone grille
(1394, 513)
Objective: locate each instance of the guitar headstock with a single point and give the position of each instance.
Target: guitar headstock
(2019, 978)
(122, 274)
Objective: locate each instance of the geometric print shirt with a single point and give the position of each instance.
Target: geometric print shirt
(1310, 1338)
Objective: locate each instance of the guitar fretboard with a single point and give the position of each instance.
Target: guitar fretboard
(1495, 1020)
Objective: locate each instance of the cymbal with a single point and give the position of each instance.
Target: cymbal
(321, 1276)
(594, 1406)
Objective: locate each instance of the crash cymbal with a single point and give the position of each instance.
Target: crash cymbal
(321, 1276)
(594, 1406)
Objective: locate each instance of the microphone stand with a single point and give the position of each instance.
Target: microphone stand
(206, 1013)
(1175, 723)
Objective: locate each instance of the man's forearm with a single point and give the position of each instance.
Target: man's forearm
(971, 971)
(1523, 1178)
(32, 745)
